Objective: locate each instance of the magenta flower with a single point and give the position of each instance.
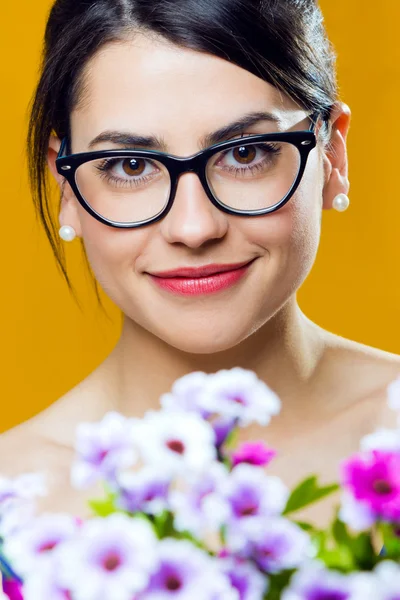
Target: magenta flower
(12, 589)
(254, 453)
(374, 480)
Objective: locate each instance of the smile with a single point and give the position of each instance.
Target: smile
(197, 281)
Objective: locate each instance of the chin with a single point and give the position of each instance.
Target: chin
(208, 339)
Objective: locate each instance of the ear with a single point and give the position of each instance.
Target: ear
(335, 161)
(69, 209)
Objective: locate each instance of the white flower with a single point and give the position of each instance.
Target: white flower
(252, 493)
(175, 442)
(393, 395)
(387, 440)
(29, 547)
(239, 394)
(275, 544)
(43, 584)
(110, 559)
(185, 572)
(387, 574)
(17, 495)
(102, 449)
(185, 393)
(198, 506)
(314, 580)
(143, 491)
(246, 578)
(357, 515)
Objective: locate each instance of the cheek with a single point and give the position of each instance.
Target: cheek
(112, 252)
(295, 226)
(291, 235)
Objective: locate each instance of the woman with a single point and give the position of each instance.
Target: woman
(195, 145)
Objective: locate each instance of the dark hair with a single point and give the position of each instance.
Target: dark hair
(282, 41)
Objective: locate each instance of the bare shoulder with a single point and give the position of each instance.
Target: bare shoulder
(362, 372)
(361, 359)
(23, 450)
(44, 444)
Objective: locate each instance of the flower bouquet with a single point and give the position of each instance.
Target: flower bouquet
(189, 514)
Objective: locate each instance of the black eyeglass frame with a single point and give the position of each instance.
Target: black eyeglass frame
(304, 141)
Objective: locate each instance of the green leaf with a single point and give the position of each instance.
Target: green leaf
(391, 541)
(364, 553)
(339, 557)
(164, 524)
(340, 532)
(103, 507)
(277, 583)
(308, 492)
(305, 526)
(232, 439)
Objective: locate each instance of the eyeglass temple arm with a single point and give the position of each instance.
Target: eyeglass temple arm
(63, 147)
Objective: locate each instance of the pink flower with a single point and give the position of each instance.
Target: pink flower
(374, 480)
(254, 453)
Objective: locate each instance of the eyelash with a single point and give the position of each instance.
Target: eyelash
(105, 168)
(105, 171)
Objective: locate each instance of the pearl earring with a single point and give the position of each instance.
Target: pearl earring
(67, 233)
(341, 202)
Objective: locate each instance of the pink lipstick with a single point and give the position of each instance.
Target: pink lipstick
(196, 281)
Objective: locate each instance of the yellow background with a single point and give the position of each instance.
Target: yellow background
(48, 345)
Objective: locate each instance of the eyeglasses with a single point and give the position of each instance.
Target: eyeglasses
(250, 176)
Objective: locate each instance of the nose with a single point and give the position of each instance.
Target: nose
(193, 220)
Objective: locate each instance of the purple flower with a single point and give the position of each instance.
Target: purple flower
(254, 453)
(144, 491)
(184, 572)
(251, 494)
(245, 578)
(111, 558)
(102, 449)
(374, 480)
(275, 544)
(314, 582)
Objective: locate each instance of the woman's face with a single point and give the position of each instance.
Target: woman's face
(152, 88)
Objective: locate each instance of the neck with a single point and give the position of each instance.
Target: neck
(284, 353)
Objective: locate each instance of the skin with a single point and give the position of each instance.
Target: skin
(332, 390)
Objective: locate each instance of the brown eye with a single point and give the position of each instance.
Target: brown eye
(133, 166)
(244, 154)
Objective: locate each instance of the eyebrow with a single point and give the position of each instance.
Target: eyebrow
(132, 140)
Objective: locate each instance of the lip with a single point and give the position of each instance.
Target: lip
(196, 281)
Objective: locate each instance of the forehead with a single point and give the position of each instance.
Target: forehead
(148, 85)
